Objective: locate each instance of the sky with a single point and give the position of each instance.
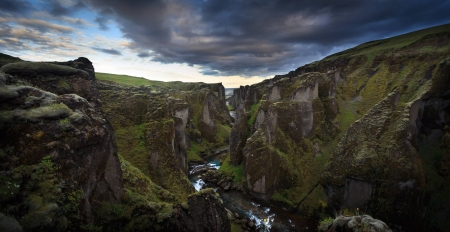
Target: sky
(236, 42)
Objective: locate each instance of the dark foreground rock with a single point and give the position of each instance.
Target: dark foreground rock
(54, 146)
(204, 211)
(364, 223)
(59, 167)
(222, 179)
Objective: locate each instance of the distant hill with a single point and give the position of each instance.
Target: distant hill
(140, 81)
(6, 59)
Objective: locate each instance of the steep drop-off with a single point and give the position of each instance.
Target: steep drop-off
(60, 169)
(366, 127)
(160, 129)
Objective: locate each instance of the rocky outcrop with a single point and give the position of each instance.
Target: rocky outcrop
(221, 179)
(204, 211)
(166, 126)
(59, 167)
(376, 158)
(281, 124)
(61, 141)
(377, 116)
(354, 224)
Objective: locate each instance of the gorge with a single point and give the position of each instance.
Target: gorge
(362, 131)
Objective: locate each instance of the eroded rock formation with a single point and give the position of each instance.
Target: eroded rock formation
(376, 114)
(169, 123)
(69, 129)
(60, 169)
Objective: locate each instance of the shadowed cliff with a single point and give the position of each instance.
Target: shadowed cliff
(60, 168)
(366, 127)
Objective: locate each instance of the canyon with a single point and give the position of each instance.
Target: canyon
(364, 130)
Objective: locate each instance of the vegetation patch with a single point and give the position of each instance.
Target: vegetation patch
(195, 151)
(223, 134)
(39, 68)
(236, 171)
(280, 198)
(140, 81)
(131, 145)
(235, 228)
(253, 112)
(6, 59)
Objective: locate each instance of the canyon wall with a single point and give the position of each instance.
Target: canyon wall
(60, 169)
(364, 128)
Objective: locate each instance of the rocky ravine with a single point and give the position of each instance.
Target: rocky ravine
(367, 128)
(59, 165)
(168, 127)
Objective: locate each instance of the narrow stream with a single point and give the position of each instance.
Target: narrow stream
(196, 170)
(267, 217)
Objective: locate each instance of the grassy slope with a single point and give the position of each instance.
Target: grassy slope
(6, 59)
(417, 56)
(140, 81)
(376, 47)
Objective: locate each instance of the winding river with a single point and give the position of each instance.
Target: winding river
(267, 217)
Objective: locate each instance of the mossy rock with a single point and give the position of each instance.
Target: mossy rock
(37, 68)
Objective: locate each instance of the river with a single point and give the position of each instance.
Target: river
(267, 217)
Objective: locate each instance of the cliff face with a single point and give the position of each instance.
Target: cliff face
(167, 127)
(370, 124)
(59, 168)
(56, 149)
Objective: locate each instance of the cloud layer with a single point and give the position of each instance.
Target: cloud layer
(240, 37)
(258, 37)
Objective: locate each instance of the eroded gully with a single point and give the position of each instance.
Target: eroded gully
(266, 216)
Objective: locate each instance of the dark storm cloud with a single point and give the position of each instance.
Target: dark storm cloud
(108, 51)
(257, 37)
(103, 18)
(62, 8)
(143, 54)
(14, 6)
(211, 73)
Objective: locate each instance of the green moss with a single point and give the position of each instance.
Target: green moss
(315, 202)
(195, 151)
(139, 188)
(253, 112)
(53, 111)
(39, 68)
(387, 46)
(38, 188)
(280, 198)
(140, 81)
(235, 228)
(64, 84)
(131, 145)
(196, 100)
(324, 224)
(282, 153)
(348, 114)
(223, 134)
(6, 59)
(236, 171)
